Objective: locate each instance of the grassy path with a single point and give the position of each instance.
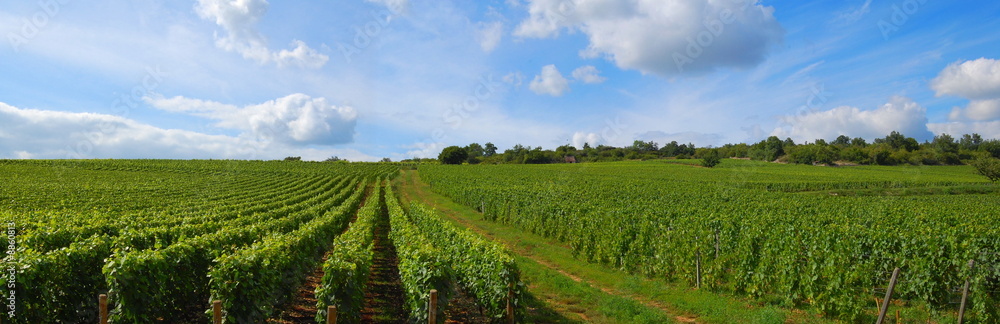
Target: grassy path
(575, 290)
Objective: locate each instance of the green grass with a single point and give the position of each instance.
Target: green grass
(630, 292)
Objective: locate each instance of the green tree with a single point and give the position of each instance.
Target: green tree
(971, 142)
(293, 158)
(644, 147)
(991, 146)
(710, 158)
(988, 167)
(453, 155)
(475, 152)
(842, 140)
(490, 150)
(788, 142)
(769, 149)
(537, 156)
(897, 141)
(670, 149)
(944, 143)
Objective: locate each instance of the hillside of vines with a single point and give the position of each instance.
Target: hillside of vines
(823, 238)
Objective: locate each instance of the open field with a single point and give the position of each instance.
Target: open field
(625, 242)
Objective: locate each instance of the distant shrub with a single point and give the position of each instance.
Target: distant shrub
(988, 167)
(710, 159)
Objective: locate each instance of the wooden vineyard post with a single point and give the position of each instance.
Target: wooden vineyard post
(217, 312)
(432, 309)
(965, 295)
(888, 296)
(510, 303)
(331, 314)
(716, 244)
(697, 266)
(697, 275)
(103, 304)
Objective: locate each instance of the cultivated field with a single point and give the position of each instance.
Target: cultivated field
(825, 238)
(282, 241)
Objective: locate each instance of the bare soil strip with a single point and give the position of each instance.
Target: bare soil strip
(384, 294)
(302, 308)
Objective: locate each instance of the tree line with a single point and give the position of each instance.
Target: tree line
(893, 149)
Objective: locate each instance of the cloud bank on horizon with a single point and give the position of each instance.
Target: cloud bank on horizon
(366, 79)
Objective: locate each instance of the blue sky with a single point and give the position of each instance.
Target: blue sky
(366, 79)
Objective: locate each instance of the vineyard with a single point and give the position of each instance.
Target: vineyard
(797, 236)
(164, 238)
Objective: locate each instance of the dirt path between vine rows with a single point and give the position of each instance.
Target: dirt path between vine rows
(384, 301)
(301, 308)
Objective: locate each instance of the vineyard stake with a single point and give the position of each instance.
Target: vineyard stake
(510, 303)
(432, 310)
(888, 296)
(217, 312)
(716, 244)
(331, 314)
(965, 294)
(697, 270)
(103, 302)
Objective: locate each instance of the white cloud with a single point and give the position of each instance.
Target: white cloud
(662, 37)
(977, 80)
(239, 19)
(899, 114)
(549, 82)
(293, 119)
(989, 129)
(983, 110)
(588, 74)
(580, 138)
(489, 35)
(422, 150)
(45, 134)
